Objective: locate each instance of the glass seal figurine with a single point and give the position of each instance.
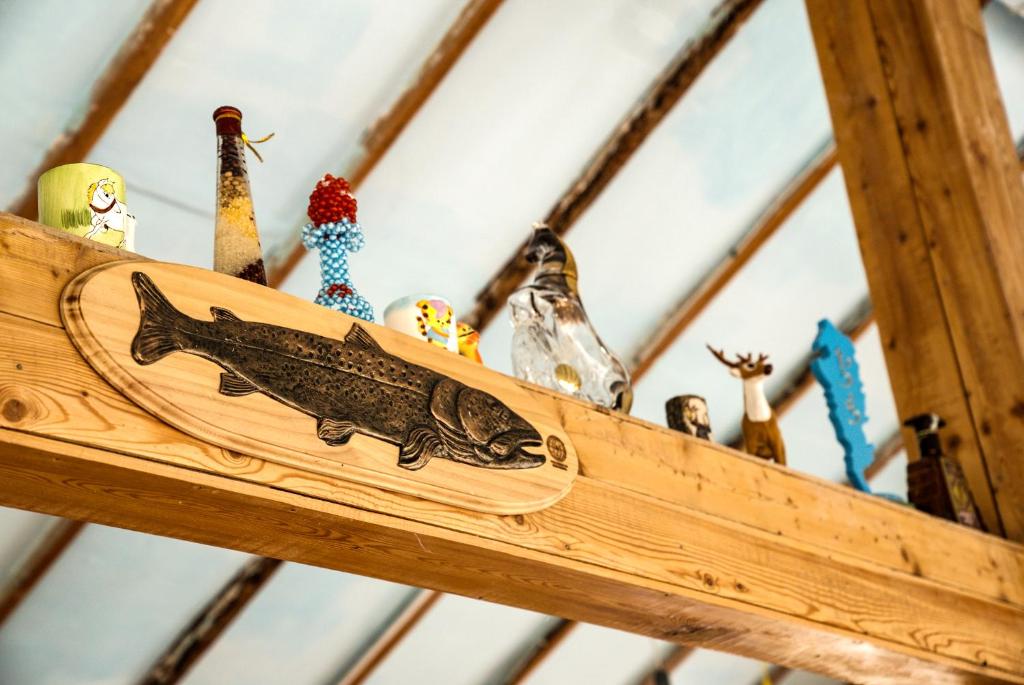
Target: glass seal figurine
(335, 232)
(554, 343)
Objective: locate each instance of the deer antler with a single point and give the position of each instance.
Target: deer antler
(720, 356)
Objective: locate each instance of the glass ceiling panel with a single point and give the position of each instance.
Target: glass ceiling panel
(805, 678)
(108, 607)
(460, 642)
(1006, 43)
(751, 122)
(47, 69)
(20, 532)
(893, 478)
(316, 73)
(301, 628)
(768, 307)
(707, 666)
(504, 135)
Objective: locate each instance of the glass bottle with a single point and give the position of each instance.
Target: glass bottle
(554, 343)
(936, 483)
(236, 240)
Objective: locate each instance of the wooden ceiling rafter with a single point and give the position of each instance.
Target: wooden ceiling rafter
(138, 53)
(539, 651)
(57, 539)
(613, 154)
(390, 637)
(210, 622)
(696, 301)
(388, 127)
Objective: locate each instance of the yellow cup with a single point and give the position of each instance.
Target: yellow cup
(87, 200)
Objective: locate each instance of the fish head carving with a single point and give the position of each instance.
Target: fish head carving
(481, 425)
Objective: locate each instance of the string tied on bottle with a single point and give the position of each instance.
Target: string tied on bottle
(249, 143)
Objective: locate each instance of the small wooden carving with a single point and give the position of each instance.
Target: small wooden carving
(689, 414)
(936, 482)
(316, 390)
(761, 435)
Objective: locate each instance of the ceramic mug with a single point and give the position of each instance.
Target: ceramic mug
(87, 200)
(431, 318)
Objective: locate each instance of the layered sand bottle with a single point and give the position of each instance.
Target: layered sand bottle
(236, 239)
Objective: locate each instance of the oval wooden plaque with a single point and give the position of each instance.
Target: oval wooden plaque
(265, 374)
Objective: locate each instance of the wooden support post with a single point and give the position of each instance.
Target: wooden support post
(937, 198)
(661, 534)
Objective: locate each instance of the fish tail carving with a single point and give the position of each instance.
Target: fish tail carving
(158, 334)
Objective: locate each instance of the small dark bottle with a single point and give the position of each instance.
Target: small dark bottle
(236, 241)
(936, 483)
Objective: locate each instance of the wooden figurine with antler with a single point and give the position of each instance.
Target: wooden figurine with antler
(761, 435)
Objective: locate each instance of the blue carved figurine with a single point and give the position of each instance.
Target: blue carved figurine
(335, 232)
(835, 367)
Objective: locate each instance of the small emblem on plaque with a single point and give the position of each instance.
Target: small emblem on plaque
(556, 448)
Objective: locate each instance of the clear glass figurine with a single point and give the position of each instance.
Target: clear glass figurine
(554, 344)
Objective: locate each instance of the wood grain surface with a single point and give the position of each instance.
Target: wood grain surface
(936, 194)
(661, 534)
(101, 313)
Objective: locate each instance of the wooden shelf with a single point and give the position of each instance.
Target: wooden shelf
(661, 534)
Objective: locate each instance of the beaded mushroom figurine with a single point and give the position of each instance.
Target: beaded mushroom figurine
(335, 232)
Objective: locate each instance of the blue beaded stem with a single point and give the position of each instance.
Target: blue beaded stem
(335, 240)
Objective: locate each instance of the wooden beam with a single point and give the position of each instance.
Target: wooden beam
(937, 199)
(672, 546)
(390, 637)
(385, 131)
(618, 148)
(57, 539)
(210, 622)
(686, 311)
(855, 324)
(540, 651)
(111, 90)
(884, 454)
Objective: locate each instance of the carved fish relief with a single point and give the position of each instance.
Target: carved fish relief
(350, 386)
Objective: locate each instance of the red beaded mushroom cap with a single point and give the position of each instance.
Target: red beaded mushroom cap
(331, 201)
